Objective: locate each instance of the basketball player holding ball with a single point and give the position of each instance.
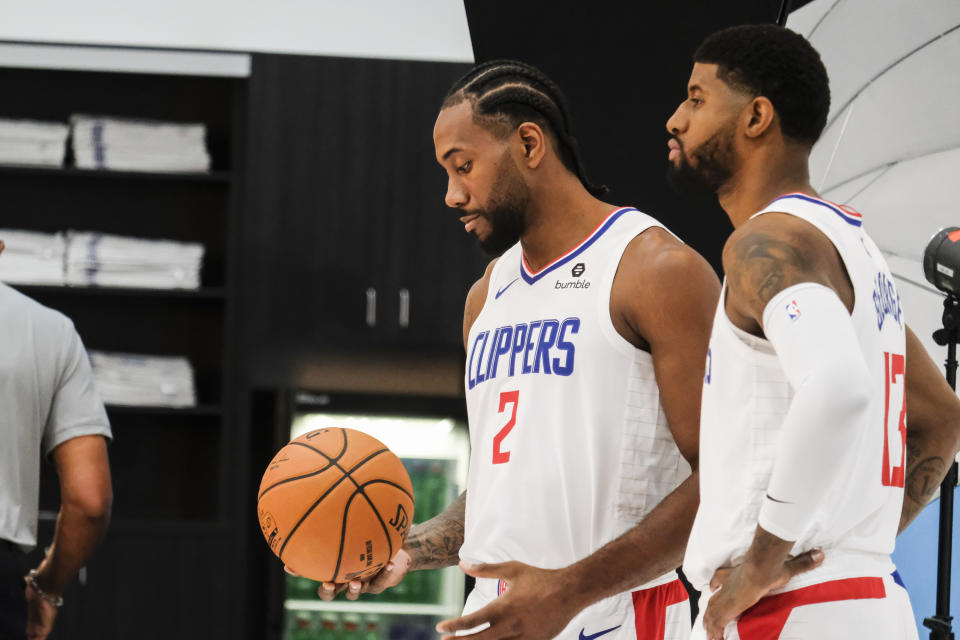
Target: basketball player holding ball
(585, 344)
(806, 445)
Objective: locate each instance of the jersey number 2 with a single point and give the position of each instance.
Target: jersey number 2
(894, 421)
(507, 397)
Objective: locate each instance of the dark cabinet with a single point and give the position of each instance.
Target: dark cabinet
(347, 240)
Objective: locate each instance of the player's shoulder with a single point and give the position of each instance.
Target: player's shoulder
(656, 258)
(776, 237)
(476, 297)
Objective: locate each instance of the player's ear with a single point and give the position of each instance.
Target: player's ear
(759, 116)
(533, 143)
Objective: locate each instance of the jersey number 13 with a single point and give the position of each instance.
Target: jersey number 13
(894, 420)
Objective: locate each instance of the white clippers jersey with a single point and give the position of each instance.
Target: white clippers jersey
(570, 446)
(746, 396)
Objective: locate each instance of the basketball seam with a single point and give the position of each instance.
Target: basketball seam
(343, 528)
(330, 462)
(325, 494)
(383, 525)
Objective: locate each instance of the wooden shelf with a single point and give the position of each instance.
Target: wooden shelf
(223, 177)
(205, 293)
(199, 410)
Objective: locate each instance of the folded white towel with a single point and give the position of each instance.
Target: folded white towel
(33, 130)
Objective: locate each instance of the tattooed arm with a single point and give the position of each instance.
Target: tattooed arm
(933, 429)
(436, 543)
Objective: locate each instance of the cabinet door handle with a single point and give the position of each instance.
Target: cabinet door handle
(371, 307)
(404, 308)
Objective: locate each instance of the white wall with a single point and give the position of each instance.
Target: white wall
(404, 29)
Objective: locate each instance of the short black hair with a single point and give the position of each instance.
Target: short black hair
(779, 64)
(508, 93)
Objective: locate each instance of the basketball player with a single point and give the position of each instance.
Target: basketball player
(803, 441)
(585, 345)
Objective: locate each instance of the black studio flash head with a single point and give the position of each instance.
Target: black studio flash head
(941, 260)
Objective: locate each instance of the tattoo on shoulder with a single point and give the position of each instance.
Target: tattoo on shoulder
(923, 479)
(766, 265)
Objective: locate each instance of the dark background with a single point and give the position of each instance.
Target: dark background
(624, 68)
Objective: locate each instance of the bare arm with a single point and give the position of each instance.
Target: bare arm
(666, 295)
(933, 429)
(436, 543)
(86, 497)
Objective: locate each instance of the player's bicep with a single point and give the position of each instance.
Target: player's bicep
(475, 299)
(675, 316)
(762, 259)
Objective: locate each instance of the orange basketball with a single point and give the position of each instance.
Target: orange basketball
(335, 505)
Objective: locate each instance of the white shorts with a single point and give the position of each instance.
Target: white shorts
(874, 608)
(658, 613)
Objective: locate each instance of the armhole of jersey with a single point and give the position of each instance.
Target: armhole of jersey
(491, 289)
(607, 327)
(830, 235)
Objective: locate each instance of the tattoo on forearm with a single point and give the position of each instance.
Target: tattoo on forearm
(436, 543)
(923, 478)
(768, 265)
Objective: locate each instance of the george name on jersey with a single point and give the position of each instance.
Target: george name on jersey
(544, 347)
(886, 301)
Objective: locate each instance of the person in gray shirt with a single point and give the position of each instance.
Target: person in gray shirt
(48, 404)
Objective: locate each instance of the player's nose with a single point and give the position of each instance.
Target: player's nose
(456, 197)
(676, 123)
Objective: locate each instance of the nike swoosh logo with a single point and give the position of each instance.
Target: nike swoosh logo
(583, 636)
(771, 498)
(500, 293)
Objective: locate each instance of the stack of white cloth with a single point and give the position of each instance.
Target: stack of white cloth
(100, 260)
(30, 142)
(139, 145)
(31, 257)
(141, 380)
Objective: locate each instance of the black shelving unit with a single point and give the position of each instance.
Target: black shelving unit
(172, 516)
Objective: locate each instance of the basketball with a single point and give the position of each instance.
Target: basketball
(335, 505)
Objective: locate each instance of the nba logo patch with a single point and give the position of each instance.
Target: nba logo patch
(793, 310)
(501, 587)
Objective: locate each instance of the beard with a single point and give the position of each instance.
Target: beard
(714, 165)
(506, 211)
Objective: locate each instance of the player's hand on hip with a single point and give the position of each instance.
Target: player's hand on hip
(40, 615)
(735, 590)
(537, 604)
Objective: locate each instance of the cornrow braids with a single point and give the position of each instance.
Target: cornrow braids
(514, 92)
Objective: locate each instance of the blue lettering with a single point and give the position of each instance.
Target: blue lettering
(480, 377)
(519, 339)
(490, 354)
(503, 345)
(471, 380)
(548, 336)
(528, 346)
(565, 369)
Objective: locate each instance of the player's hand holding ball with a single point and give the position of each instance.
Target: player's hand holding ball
(335, 505)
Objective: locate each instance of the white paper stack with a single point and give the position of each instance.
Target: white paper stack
(30, 142)
(100, 260)
(32, 258)
(139, 145)
(141, 380)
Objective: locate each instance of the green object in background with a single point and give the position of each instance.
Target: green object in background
(300, 626)
(371, 628)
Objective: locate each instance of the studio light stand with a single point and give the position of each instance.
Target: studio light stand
(941, 267)
(940, 624)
